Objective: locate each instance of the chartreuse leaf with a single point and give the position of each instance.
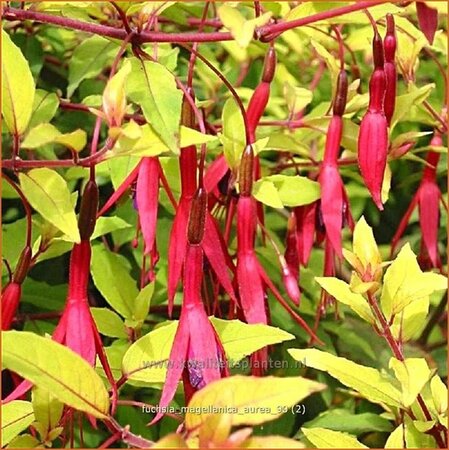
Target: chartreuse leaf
(16, 417)
(413, 374)
(105, 225)
(142, 302)
(109, 323)
(45, 106)
(407, 436)
(439, 394)
(404, 283)
(46, 133)
(24, 441)
(17, 87)
(172, 440)
(112, 279)
(89, 59)
(153, 87)
(233, 133)
(322, 438)
(49, 195)
(370, 383)
(291, 190)
(341, 291)
(240, 339)
(135, 140)
(330, 61)
(47, 411)
(50, 365)
(249, 400)
(146, 360)
(242, 30)
(297, 98)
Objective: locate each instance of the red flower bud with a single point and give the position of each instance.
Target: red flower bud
(256, 107)
(197, 218)
(22, 266)
(88, 211)
(378, 51)
(269, 65)
(10, 302)
(341, 94)
(246, 173)
(377, 87)
(390, 69)
(372, 152)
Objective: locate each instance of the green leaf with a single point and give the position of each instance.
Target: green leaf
(292, 190)
(119, 290)
(49, 195)
(89, 59)
(16, 417)
(322, 438)
(109, 323)
(341, 291)
(370, 383)
(17, 87)
(47, 410)
(24, 441)
(46, 133)
(105, 225)
(439, 394)
(50, 365)
(45, 106)
(233, 133)
(297, 98)
(142, 302)
(240, 339)
(404, 283)
(265, 191)
(344, 420)
(413, 374)
(31, 47)
(242, 30)
(249, 400)
(153, 87)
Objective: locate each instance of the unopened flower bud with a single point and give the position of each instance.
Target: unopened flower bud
(246, 172)
(197, 218)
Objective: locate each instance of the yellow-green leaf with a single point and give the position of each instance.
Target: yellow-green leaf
(17, 87)
(50, 365)
(413, 374)
(47, 410)
(439, 394)
(49, 195)
(233, 133)
(364, 245)
(250, 400)
(153, 87)
(24, 441)
(241, 29)
(404, 283)
(323, 438)
(342, 292)
(16, 417)
(109, 323)
(369, 382)
(46, 133)
(271, 442)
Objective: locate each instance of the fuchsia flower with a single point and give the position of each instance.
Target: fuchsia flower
(305, 230)
(13, 291)
(373, 133)
(212, 242)
(427, 198)
(197, 354)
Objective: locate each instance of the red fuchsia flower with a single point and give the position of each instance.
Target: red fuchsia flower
(427, 198)
(291, 255)
(427, 19)
(305, 230)
(76, 328)
(334, 202)
(373, 134)
(212, 242)
(197, 354)
(390, 69)
(13, 291)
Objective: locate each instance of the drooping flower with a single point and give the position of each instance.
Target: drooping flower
(197, 354)
(373, 133)
(390, 69)
(427, 198)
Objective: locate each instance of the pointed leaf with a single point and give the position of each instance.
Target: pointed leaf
(17, 87)
(16, 417)
(369, 382)
(322, 438)
(49, 195)
(49, 365)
